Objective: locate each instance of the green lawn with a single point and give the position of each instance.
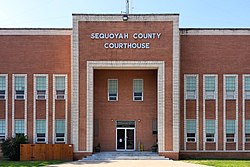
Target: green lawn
(27, 163)
(221, 163)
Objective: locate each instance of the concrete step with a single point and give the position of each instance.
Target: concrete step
(124, 156)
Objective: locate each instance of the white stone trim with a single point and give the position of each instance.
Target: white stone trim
(216, 111)
(35, 32)
(6, 104)
(131, 17)
(34, 106)
(197, 111)
(204, 111)
(243, 111)
(75, 85)
(185, 114)
(197, 114)
(53, 109)
(66, 109)
(160, 65)
(75, 69)
(214, 31)
(224, 110)
(13, 106)
(25, 104)
(176, 85)
(54, 106)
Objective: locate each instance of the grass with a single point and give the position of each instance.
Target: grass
(221, 163)
(6, 163)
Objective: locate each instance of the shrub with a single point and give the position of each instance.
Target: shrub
(11, 147)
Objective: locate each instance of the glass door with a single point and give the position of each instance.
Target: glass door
(120, 139)
(125, 136)
(125, 140)
(130, 142)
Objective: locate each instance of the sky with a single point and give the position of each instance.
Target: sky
(58, 13)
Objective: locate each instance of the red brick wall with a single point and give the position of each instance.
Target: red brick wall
(30, 55)
(2, 109)
(210, 109)
(161, 50)
(108, 112)
(202, 54)
(41, 109)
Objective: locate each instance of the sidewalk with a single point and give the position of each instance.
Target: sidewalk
(128, 163)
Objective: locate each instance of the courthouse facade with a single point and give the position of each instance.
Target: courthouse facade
(128, 82)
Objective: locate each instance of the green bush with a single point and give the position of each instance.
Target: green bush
(11, 147)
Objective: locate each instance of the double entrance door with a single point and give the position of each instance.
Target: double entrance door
(125, 139)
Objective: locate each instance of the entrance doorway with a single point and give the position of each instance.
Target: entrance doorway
(125, 136)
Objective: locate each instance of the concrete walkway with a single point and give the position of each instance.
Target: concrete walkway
(128, 163)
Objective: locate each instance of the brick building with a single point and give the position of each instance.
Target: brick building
(126, 82)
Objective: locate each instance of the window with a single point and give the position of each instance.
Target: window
(60, 131)
(138, 90)
(41, 87)
(19, 127)
(2, 130)
(191, 87)
(247, 87)
(41, 131)
(210, 87)
(112, 89)
(210, 130)
(230, 87)
(2, 87)
(191, 130)
(19, 87)
(230, 130)
(247, 130)
(60, 87)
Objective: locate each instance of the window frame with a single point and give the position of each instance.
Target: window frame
(134, 97)
(191, 94)
(117, 89)
(16, 129)
(58, 138)
(19, 95)
(3, 96)
(212, 137)
(3, 135)
(60, 94)
(41, 94)
(230, 94)
(209, 94)
(230, 137)
(44, 134)
(247, 134)
(193, 138)
(246, 92)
